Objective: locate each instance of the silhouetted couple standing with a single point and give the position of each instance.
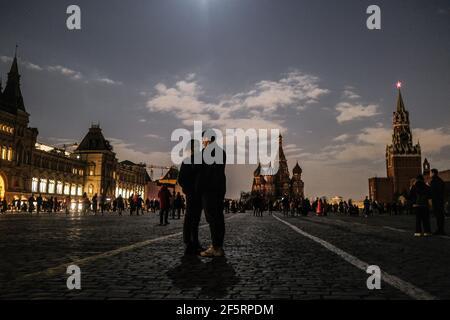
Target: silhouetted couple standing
(204, 184)
(420, 195)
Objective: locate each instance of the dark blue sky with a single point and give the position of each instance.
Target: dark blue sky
(334, 104)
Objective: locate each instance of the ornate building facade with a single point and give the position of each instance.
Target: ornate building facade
(28, 167)
(403, 159)
(275, 184)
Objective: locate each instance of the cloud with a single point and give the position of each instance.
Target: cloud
(153, 136)
(129, 151)
(349, 93)
(108, 81)
(291, 149)
(296, 89)
(355, 111)
(432, 141)
(5, 59)
(370, 145)
(342, 138)
(352, 109)
(255, 108)
(72, 74)
(26, 64)
(63, 71)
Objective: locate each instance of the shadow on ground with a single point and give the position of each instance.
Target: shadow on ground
(213, 277)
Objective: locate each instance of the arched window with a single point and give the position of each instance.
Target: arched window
(10, 154)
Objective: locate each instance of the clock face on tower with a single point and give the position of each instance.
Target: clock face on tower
(404, 138)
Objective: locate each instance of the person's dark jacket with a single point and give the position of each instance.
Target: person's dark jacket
(212, 176)
(437, 186)
(419, 194)
(189, 175)
(164, 198)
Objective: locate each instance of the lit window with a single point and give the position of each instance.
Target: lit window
(59, 187)
(10, 154)
(51, 186)
(4, 157)
(66, 188)
(79, 190)
(34, 185)
(91, 172)
(73, 190)
(91, 189)
(43, 186)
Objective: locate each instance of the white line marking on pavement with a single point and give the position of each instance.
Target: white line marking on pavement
(62, 267)
(346, 223)
(394, 229)
(405, 287)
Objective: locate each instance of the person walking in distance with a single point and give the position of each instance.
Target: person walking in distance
(164, 199)
(177, 204)
(212, 184)
(188, 179)
(94, 203)
(31, 201)
(139, 204)
(39, 201)
(120, 204)
(419, 195)
(437, 197)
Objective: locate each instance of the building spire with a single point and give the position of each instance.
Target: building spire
(12, 95)
(400, 103)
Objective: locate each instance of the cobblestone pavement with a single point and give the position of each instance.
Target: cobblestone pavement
(133, 258)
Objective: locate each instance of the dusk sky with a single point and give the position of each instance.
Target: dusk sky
(308, 67)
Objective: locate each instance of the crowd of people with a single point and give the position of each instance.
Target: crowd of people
(422, 200)
(134, 205)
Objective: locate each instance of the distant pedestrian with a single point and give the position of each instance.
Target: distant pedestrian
(39, 201)
(4, 205)
(177, 205)
(94, 203)
(437, 196)
(164, 199)
(139, 204)
(120, 204)
(420, 194)
(367, 207)
(31, 201)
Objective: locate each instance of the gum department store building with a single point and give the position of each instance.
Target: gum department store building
(28, 167)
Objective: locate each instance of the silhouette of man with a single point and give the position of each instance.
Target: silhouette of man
(212, 186)
(188, 179)
(437, 195)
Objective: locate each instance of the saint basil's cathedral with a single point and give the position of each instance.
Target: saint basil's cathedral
(274, 184)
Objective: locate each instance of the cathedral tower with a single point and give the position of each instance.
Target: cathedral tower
(282, 177)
